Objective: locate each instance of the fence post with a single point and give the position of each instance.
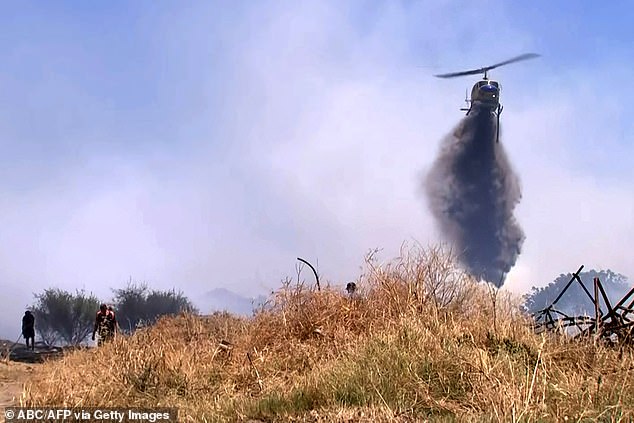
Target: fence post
(597, 315)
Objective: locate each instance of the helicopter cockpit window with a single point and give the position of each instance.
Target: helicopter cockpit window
(494, 83)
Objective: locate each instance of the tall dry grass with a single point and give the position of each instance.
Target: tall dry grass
(420, 340)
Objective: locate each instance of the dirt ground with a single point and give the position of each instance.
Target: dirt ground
(13, 375)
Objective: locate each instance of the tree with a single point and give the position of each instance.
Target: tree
(575, 301)
(64, 317)
(137, 305)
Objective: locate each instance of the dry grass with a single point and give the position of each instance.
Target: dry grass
(419, 340)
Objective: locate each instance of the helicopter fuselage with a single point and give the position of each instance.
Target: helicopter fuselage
(486, 92)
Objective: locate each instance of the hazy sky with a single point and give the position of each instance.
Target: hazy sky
(199, 145)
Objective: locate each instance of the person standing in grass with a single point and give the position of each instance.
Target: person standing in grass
(28, 329)
(115, 324)
(106, 324)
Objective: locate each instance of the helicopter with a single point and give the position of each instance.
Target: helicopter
(486, 92)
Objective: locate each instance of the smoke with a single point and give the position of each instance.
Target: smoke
(472, 191)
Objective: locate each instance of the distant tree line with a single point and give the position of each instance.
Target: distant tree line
(65, 318)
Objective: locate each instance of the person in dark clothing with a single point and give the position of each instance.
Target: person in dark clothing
(28, 329)
(106, 324)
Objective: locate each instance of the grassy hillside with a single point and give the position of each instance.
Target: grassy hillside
(419, 340)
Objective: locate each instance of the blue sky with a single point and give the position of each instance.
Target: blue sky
(209, 145)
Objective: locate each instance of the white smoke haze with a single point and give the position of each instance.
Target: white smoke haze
(264, 133)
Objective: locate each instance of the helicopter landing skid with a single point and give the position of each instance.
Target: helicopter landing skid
(499, 112)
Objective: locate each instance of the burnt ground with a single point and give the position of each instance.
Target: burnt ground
(13, 375)
(17, 364)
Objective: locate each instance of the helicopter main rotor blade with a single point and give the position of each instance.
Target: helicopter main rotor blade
(513, 60)
(454, 74)
(487, 68)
